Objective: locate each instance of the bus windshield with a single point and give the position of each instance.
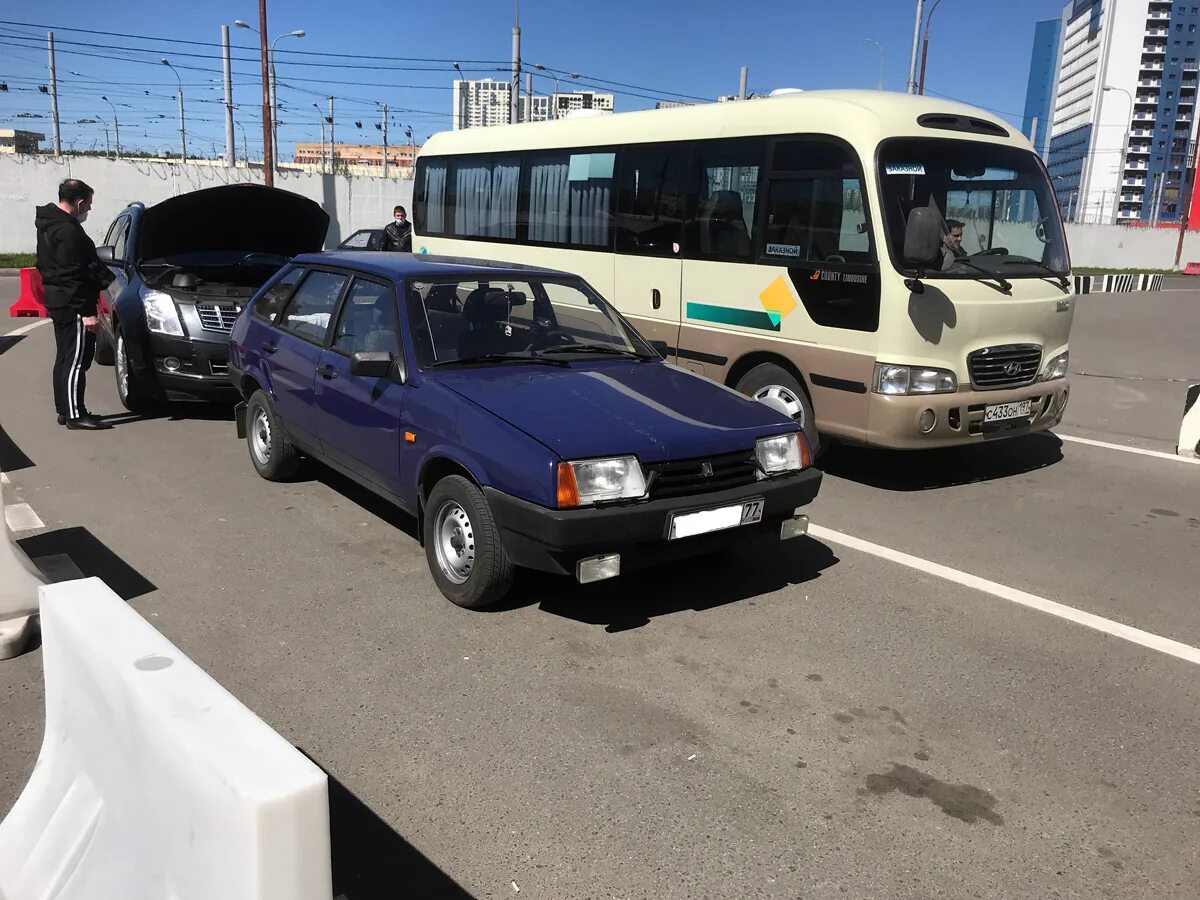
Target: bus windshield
(998, 211)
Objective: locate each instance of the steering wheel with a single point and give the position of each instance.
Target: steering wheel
(835, 257)
(995, 251)
(549, 337)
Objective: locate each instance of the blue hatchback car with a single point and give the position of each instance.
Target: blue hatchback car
(514, 412)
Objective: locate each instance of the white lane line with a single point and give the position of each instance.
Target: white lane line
(21, 517)
(25, 329)
(4, 479)
(1062, 611)
(1138, 450)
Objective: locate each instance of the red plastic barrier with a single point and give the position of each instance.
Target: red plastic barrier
(1192, 268)
(32, 301)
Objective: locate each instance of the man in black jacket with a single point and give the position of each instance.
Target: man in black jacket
(397, 234)
(73, 277)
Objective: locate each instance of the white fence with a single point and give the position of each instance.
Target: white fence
(29, 181)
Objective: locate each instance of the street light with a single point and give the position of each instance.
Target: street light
(298, 33)
(552, 74)
(880, 46)
(925, 44)
(182, 127)
(322, 117)
(116, 125)
(1124, 145)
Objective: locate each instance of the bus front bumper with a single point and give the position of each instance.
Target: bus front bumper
(966, 416)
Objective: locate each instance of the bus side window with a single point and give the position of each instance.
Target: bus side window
(721, 224)
(650, 196)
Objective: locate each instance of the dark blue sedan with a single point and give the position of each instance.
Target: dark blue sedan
(514, 412)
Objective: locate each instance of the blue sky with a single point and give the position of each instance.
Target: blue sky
(979, 52)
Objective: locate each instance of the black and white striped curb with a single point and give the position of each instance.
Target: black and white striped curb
(1117, 284)
(1189, 430)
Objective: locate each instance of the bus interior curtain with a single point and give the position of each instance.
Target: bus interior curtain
(435, 198)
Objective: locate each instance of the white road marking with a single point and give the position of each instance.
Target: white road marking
(25, 329)
(1138, 450)
(4, 479)
(1062, 611)
(21, 517)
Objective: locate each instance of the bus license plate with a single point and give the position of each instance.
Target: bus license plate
(706, 520)
(1001, 412)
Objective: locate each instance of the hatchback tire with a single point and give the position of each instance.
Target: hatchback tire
(274, 456)
(779, 389)
(462, 545)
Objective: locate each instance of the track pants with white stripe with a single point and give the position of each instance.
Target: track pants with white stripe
(75, 348)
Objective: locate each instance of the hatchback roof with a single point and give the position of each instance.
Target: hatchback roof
(408, 265)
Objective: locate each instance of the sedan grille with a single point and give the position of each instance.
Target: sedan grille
(700, 476)
(217, 318)
(1008, 366)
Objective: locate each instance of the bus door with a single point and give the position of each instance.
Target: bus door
(649, 226)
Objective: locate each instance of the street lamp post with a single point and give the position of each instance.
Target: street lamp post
(925, 45)
(273, 88)
(182, 126)
(116, 125)
(1124, 145)
(912, 61)
(554, 75)
(880, 46)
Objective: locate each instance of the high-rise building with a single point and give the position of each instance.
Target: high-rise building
(1039, 94)
(486, 102)
(1124, 113)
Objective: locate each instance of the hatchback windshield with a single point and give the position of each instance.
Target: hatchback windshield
(463, 321)
(999, 216)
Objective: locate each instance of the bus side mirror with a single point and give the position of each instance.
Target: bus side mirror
(923, 237)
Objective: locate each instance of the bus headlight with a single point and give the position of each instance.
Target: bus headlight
(900, 380)
(1057, 367)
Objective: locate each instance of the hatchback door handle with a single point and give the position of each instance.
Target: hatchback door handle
(327, 372)
(268, 348)
(655, 298)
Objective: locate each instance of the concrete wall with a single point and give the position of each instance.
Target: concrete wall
(1122, 247)
(29, 181)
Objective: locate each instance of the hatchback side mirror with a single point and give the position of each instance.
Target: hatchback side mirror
(661, 348)
(105, 255)
(377, 364)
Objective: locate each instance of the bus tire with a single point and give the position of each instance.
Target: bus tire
(779, 389)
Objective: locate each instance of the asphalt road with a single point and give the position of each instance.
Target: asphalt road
(798, 720)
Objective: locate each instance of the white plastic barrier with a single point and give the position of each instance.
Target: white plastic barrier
(1189, 429)
(19, 583)
(155, 783)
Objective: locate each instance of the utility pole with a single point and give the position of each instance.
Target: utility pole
(230, 159)
(912, 63)
(268, 160)
(514, 93)
(385, 149)
(1189, 184)
(528, 96)
(54, 95)
(332, 143)
(742, 83)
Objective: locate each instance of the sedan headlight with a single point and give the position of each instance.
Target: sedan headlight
(899, 380)
(783, 453)
(1057, 367)
(594, 480)
(161, 314)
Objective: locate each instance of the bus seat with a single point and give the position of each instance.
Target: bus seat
(723, 226)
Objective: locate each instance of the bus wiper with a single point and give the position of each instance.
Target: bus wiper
(535, 359)
(595, 348)
(1004, 284)
(1063, 281)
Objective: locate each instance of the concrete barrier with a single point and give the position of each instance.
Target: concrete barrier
(1117, 284)
(153, 781)
(19, 583)
(1189, 429)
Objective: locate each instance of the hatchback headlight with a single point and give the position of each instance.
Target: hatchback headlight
(595, 480)
(783, 453)
(161, 314)
(899, 380)
(1057, 367)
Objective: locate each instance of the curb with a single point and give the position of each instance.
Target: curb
(1117, 284)
(10, 273)
(1189, 428)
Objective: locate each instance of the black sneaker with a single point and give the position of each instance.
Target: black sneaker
(87, 423)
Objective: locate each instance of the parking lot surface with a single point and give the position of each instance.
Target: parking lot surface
(808, 719)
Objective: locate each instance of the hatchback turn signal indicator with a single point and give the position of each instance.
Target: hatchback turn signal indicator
(568, 488)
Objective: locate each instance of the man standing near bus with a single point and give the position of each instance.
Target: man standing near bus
(397, 234)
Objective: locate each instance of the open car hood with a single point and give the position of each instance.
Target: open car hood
(249, 218)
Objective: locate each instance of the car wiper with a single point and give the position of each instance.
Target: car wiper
(1063, 281)
(504, 358)
(595, 348)
(1003, 283)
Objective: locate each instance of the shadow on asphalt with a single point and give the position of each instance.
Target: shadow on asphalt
(77, 553)
(175, 412)
(310, 470)
(634, 600)
(371, 861)
(926, 470)
(8, 341)
(12, 457)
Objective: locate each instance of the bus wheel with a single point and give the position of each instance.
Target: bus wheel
(778, 389)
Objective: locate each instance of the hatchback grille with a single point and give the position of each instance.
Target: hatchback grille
(699, 476)
(1008, 366)
(217, 318)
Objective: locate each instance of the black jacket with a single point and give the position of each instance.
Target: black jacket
(397, 237)
(72, 274)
